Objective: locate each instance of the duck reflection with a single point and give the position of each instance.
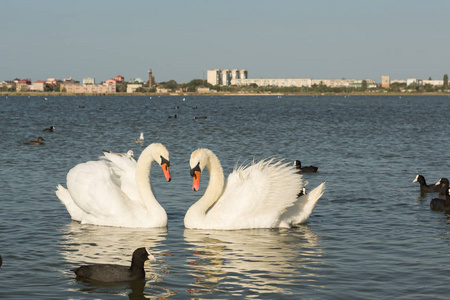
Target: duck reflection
(90, 244)
(259, 261)
(134, 289)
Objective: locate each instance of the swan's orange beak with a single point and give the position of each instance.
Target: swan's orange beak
(166, 171)
(196, 181)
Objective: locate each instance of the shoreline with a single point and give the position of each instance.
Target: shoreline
(15, 94)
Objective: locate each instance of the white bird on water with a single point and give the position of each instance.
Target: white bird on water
(140, 140)
(263, 194)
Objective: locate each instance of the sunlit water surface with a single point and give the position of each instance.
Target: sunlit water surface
(371, 235)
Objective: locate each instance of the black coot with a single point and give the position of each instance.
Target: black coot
(442, 202)
(426, 188)
(307, 169)
(111, 273)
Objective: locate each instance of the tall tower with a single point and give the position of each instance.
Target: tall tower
(150, 80)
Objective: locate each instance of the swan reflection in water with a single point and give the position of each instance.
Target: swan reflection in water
(90, 244)
(253, 261)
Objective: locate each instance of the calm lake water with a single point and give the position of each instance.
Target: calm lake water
(371, 234)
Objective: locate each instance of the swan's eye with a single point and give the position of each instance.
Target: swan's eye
(165, 161)
(196, 169)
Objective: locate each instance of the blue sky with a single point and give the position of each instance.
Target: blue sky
(181, 39)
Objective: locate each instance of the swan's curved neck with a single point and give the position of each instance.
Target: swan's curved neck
(143, 168)
(198, 211)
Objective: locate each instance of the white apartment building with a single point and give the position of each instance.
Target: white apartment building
(240, 78)
(89, 80)
(410, 81)
(282, 82)
(303, 82)
(224, 77)
(213, 76)
(131, 88)
(37, 86)
(433, 82)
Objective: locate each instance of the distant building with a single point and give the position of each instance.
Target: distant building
(106, 88)
(9, 85)
(243, 74)
(53, 81)
(240, 78)
(88, 80)
(433, 82)
(283, 82)
(162, 90)
(413, 81)
(213, 76)
(23, 81)
(235, 74)
(119, 79)
(398, 81)
(70, 81)
(385, 81)
(137, 80)
(303, 82)
(22, 85)
(224, 77)
(203, 90)
(344, 82)
(131, 88)
(37, 86)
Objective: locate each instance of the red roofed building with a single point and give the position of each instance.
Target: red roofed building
(119, 79)
(22, 85)
(53, 81)
(24, 81)
(38, 86)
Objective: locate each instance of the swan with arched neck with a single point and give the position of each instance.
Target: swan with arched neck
(260, 195)
(116, 191)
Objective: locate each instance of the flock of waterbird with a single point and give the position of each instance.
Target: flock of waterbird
(40, 140)
(442, 202)
(115, 190)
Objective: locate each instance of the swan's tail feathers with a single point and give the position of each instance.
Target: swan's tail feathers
(305, 204)
(64, 195)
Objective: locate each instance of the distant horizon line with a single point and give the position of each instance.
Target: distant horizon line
(346, 78)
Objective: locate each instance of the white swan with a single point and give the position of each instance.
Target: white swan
(262, 195)
(115, 190)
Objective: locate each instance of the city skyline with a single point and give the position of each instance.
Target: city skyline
(182, 40)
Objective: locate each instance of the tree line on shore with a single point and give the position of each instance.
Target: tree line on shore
(194, 85)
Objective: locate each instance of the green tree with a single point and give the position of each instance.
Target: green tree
(445, 81)
(195, 83)
(122, 88)
(170, 85)
(364, 85)
(140, 90)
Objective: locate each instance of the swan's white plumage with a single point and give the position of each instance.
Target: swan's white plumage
(260, 195)
(115, 191)
(123, 173)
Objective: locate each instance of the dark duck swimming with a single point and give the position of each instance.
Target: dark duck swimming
(442, 202)
(114, 273)
(426, 188)
(306, 169)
